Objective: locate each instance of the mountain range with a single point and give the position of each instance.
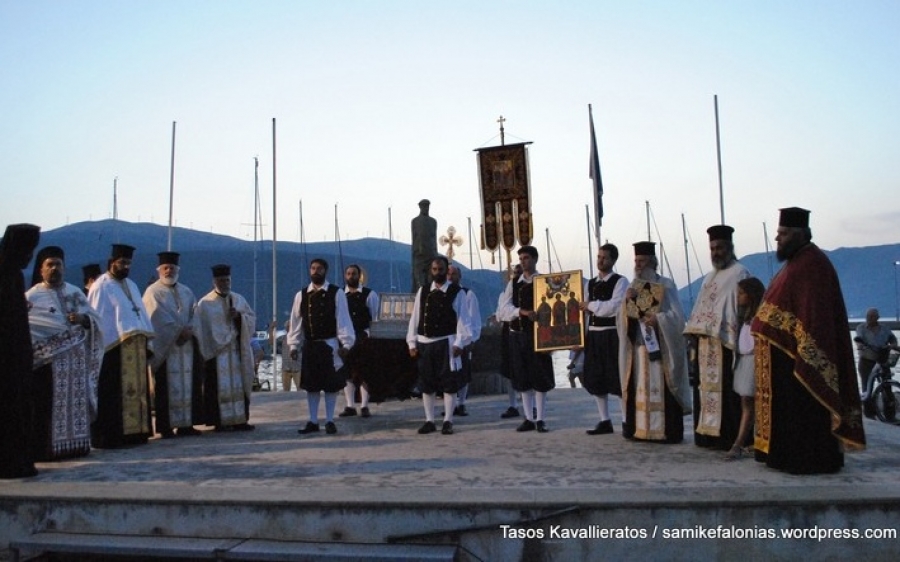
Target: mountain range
(868, 275)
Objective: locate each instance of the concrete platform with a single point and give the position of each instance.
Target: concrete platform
(492, 492)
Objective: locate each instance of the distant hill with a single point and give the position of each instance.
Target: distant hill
(386, 263)
(868, 275)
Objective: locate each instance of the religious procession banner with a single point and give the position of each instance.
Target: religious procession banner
(559, 322)
(505, 196)
(648, 300)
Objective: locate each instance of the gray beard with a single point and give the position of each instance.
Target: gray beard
(646, 274)
(169, 281)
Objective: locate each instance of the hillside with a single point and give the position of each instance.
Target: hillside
(386, 263)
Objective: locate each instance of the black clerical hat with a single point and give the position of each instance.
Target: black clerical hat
(720, 232)
(122, 251)
(794, 217)
(167, 258)
(221, 270)
(91, 271)
(645, 248)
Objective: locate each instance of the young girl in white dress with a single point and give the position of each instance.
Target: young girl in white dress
(749, 296)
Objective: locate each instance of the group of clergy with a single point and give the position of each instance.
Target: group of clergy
(801, 381)
(101, 353)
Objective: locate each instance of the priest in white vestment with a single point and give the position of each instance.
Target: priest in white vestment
(224, 324)
(178, 379)
(652, 359)
(124, 408)
(68, 352)
(714, 322)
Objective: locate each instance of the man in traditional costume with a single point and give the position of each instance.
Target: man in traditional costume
(123, 411)
(437, 334)
(454, 273)
(224, 324)
(178, 377)
(321, 336)
(16, 357)
(652, 358)
(531, 372)
(512, 411)
(715, 324)
(363, 305)
(807, 398)
(68, 352)
(603, 299)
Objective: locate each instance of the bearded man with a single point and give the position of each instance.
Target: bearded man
(178, 378)
(808, 409)
(652, 358)
(321, 335)
(68, 349)
(123, 411)
(715, 325)
(224, 324)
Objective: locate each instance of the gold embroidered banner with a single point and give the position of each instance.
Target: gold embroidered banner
(505, 195)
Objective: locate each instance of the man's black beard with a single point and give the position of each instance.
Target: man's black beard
(439, 280)
(120, 274)
(317, 279)
(354, 284)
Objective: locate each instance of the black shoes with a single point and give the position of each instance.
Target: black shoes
(602, 428)
(309, 428)
(541, 427)
(526, 425)
(364, 412)
(427, 427)
(330, 428)
(183, 431)
(460, 410)
(244, 427)
(447, 428)
(348, 412)
(510, 413)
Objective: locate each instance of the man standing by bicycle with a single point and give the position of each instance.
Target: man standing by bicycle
(874, 342)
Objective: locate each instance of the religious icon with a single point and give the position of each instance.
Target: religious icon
(648, 300)
(559, 322)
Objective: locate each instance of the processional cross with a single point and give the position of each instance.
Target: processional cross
(450, 240)
(501, 120)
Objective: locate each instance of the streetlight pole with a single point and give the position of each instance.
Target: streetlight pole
(896, 291)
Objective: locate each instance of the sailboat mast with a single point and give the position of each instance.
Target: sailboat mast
(256, 225)
(768, 251)
(647, 212)
(337, 237)
(687, 260)
(719, 160)
(549, 260)
(274, 238)
(171, 189)
(391, 251)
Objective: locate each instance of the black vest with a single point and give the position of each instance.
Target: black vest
(359, 311)
(522, 297)
(318, 311)
(436, 315)
(602, 291)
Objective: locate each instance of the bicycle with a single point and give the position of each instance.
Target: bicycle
(882, 392)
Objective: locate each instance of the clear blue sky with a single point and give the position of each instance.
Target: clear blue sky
(381, 103)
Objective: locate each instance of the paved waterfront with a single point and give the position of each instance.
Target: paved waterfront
(485, 454)
(382, 461)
